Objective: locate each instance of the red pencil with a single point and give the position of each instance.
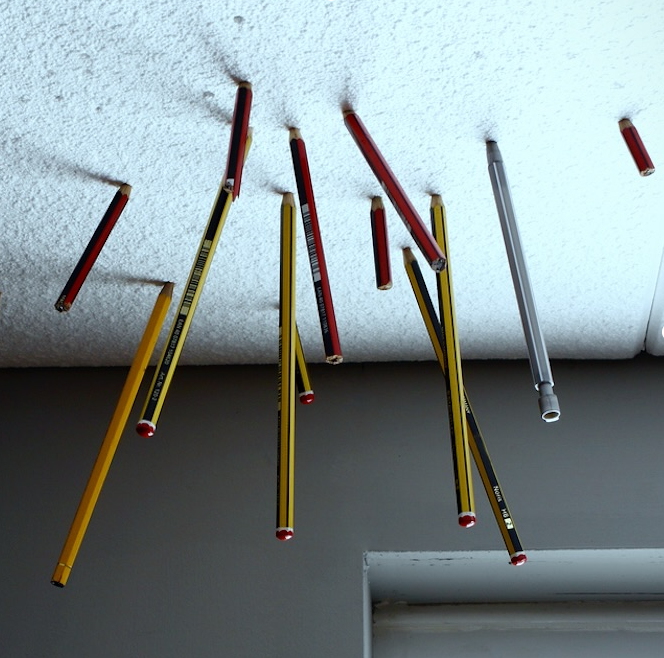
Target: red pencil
(235, 163)
(84, 265)
(380, 245)
(418, 229)
(636, 148)
(305, 192)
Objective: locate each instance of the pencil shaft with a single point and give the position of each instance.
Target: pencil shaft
(380, 245)
(315, 250)
(239, 130)
(178, 333)
(170, 355)
(286, 394)
(112, 438)
(451, 349)
(636, 147)
(394, 191)
(302, 380)
(492, 487)
(92, 251)
(538, 355)
(476, 441)
(460, 449)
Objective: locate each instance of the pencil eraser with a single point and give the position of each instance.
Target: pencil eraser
(518, 558)
(307, 397)
(146, 429)
(467, 519)
(284, 534)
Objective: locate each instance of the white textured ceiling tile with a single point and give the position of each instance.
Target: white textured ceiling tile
(143, 92)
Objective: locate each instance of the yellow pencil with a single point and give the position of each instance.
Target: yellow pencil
(302, 381)
(478, 447)
(460, 451)
(161, 381)
(287, 340)
(112, 438)
(454, 380)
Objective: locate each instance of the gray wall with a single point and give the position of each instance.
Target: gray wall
(180, 558)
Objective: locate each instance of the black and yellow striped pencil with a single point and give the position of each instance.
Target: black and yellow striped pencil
(112, 439)
(451, 350)
(460, 450)
(286, 387)
(475, 439)
(147, 425)
(302, 381)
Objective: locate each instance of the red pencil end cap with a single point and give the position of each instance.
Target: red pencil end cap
(146, 429)
(284, 534)
(307, 397)
(518, 558)
(467, 519)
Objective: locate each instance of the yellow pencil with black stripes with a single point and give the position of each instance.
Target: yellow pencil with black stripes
(147, 425)
(302, 382)
(478, 449)
(460, 449)
(286, 388)
(452, 356)
(112, 439)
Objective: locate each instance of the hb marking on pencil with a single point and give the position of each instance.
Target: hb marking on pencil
(636, 148)
(170, 356)
(380, 245)
(112, 438)
(423, 238)
(460, 451)
(315, 251)
(287, 360)
(239, 130)
(92, 251)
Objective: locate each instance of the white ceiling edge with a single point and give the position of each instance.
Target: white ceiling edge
(420, 577)
(654, 343)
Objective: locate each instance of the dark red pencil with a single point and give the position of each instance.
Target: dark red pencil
(235, 163)
(84, 265)
(636, 148)
(418, 229)
(305, 192)
(380, 245)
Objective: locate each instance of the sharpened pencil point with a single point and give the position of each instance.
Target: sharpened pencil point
(125, 189)
(284, 534)
(518, 558)
(288, 199)
(467, 519)
(146, 429)
(408, 256)
(294, 133)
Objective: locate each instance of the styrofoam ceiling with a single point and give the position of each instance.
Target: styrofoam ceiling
(143, 91)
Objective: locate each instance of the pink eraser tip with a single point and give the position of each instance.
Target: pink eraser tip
(518, 558)
(467, 520)
(146, 429)
(284, 534)
(307, 397)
